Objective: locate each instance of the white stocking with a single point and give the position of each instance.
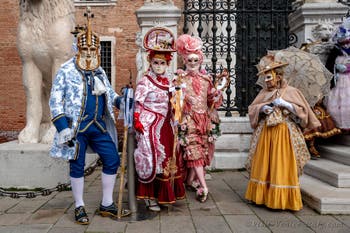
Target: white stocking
(107, 188)
(201, 178)
(77, 190)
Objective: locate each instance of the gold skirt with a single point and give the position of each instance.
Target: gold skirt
(274, 178)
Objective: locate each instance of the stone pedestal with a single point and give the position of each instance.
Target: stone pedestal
(157, 14)
(311, 13)
(231, 148)
(30, 166)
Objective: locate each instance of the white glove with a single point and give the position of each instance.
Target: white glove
(341, 67)
(217, 95)
(64, 136)
(279, 102)
(266, 109)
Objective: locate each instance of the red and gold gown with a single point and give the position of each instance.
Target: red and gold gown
(154, 153)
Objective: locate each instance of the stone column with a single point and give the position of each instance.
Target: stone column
(158, 13)
(312, 12)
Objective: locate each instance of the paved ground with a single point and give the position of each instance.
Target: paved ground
(225, 211)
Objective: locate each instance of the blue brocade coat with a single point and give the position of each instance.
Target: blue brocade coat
(67, 105)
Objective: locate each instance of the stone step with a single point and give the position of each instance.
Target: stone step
(233, 143)
(335, 152)
(328, 171)
(229, 160)
(323, 197)
(341, 139)
(235, 125)
(231, 148)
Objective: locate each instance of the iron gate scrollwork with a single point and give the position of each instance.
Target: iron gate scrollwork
(235, 34)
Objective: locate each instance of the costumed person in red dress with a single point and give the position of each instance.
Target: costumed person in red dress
(200, 122)
(153, 124)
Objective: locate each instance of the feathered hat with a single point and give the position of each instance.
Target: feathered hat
(186, 45)
(268, 63)
(342, 34)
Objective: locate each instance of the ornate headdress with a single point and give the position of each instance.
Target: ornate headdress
(88, 40)
(186, 45)
(160, 43)
(159, 39)
(342, 33)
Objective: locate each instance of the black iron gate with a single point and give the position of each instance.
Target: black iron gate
(236, 33)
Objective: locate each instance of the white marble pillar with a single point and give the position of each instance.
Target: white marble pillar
(312, 12)
(158, 13)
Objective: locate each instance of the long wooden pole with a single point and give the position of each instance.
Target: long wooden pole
(173, 167)
(122, 172)
(131, 172)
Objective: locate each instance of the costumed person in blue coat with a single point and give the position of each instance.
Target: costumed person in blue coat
(81, 105)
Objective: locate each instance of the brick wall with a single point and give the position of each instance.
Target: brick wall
(12, 99)
(118, 21)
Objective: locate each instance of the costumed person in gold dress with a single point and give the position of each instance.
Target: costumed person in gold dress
(278, 150)
(153, 156)
(200, 123)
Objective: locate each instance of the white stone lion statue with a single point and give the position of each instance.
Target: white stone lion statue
(44, 42)
(322, 33)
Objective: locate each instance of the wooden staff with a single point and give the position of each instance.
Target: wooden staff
(176, 104)
(224, 74)
(122, 171)
(125, 140)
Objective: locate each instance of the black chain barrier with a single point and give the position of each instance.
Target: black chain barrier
(45, 192)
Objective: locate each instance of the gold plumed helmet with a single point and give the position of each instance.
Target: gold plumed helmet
(88, 40)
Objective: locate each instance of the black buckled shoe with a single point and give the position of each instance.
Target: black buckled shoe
(81, 216)
(112, 211)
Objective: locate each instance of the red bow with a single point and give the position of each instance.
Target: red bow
(162, 80)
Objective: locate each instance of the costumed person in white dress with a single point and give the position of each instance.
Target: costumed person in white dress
(200, 121)
(159, 177)
(338, 62)
(81, 105)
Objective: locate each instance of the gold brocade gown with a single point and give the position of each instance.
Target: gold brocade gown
(274, 178)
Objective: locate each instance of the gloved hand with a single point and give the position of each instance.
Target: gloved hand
(266, 109)
(341, 68)
(217, 95)
(137, 124)
(64, 136)
(279, 102)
